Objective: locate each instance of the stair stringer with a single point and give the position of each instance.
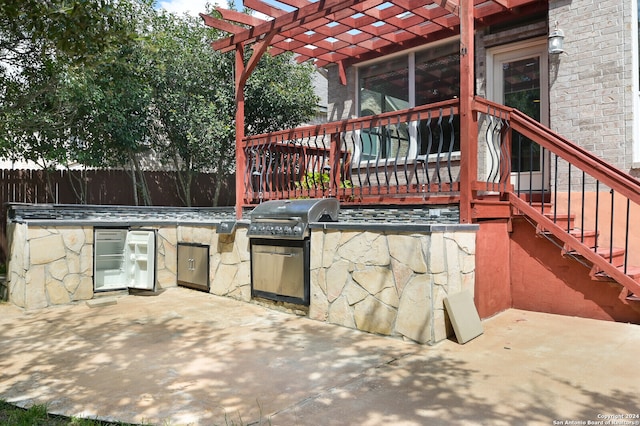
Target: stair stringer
(629, 284)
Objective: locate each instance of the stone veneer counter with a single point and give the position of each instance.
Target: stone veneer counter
(384, 270)
(100, 215)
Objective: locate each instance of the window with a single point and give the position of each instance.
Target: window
(437, 74)
(417, 78)
(384, 87)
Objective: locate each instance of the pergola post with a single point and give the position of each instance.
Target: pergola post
(468, 121)
(241, 158)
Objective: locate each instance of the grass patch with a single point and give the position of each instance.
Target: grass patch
(37, 415)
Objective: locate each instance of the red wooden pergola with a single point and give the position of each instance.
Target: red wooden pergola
(343, 32)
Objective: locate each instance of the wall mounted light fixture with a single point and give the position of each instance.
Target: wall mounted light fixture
(556, 41)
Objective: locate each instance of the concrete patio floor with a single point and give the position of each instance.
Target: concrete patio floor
(185, 357)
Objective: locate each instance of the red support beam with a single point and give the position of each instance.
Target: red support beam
(219, 24)
(285, 22)
(241, 159)
(468, 123)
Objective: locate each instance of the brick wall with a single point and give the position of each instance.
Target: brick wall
(591, 85)
(591, 92)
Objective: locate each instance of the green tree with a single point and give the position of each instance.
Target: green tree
(74, 87)
(279, 95)
(194, 100)
(133, 83)
(40, 42)
(111, 127)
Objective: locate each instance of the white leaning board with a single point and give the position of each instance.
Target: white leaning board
(464, 316)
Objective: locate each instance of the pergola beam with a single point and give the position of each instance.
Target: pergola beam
(342, 32)
(284, 22)
(468, 123)
(219, 24)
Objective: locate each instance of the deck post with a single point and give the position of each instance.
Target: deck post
(241, 159)
(334, 162)
(468, 120)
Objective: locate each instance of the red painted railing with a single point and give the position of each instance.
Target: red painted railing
(414, 156)
(409, 156)
(590, 206)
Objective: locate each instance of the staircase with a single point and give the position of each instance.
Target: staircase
(569, 171)
(606, 262)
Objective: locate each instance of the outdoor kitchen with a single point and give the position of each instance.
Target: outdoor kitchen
(385, 272)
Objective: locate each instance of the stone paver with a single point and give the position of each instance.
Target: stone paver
(186, 357)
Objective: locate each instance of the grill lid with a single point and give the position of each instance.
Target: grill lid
(289, 219)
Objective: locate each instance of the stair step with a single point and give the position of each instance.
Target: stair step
(587, 237)
(598, 274)
(548, 207)
(614, 255)
(535, 196)
(564, 221)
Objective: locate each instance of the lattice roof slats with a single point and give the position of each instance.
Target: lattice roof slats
(431, 13)
(408, 19)
(241, 18)
(356, 22)
(289, 44)
(310, 37)
(332, 45)
(332, 57)
(353, 37)
(374, 44)
(367, 5)
(329, 31)
(398, 37)
(353, 50)
(379, 29)
(488, 9)
(295, 3)
(266, 9)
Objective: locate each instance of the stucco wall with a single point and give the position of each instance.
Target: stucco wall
(543, 280)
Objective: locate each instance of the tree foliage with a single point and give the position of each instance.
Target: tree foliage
(108, 83)
(192, 100)
(43, 42)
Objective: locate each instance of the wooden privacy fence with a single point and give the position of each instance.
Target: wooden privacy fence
(102, 187)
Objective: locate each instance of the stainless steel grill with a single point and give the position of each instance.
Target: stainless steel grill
(289, 219)
(280, 247)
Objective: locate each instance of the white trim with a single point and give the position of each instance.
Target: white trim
(513, 52)
(495, 57)
(635, 84)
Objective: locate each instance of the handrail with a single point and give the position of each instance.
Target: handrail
(400, 157)
(350, 125)
(613, 177)
(608, 193)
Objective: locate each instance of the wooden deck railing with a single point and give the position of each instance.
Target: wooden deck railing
(590, 206)
(408, 156)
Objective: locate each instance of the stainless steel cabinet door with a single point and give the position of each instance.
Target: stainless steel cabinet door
(193, 266)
